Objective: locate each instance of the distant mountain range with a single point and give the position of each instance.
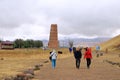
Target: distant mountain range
(80, 41)
(89, 42)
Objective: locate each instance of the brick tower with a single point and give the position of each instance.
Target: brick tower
(53, 38)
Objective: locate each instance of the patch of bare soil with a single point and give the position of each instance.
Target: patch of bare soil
(66, 70)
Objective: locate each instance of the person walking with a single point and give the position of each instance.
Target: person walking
(88, 56)
(97, 51)
(53, 56)
(77, 54)
(70, 49)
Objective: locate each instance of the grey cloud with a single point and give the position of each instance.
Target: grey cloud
(100, 22)
(84, 17)
(14, 13)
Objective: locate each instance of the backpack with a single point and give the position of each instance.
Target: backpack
(50, 57)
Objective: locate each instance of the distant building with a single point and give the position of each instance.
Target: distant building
(6, 45)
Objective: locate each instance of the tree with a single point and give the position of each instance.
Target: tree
(29, 43)
(26, 44)
(18, 43)
(1, 40)
(70, 43)
(38, 44)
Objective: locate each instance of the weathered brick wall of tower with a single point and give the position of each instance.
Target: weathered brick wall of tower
(53, 38)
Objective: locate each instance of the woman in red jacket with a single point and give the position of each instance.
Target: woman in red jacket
(88, 56)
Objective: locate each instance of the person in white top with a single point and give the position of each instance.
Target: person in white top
(54, 57)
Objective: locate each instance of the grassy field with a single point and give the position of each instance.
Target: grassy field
(111, 44)
(15, 61)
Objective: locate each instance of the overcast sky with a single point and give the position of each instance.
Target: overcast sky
(31, 19)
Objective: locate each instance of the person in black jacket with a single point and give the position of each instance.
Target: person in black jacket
(77, 54)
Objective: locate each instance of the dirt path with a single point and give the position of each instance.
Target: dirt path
(66, 70)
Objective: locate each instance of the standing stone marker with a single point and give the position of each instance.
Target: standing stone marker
(53, 38)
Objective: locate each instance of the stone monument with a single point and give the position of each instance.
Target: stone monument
(53, 38)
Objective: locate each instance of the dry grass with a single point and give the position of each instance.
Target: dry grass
(15, 61)
(114, 57)
(110, 44)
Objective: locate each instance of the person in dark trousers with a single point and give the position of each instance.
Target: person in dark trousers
(88, 56)
(77, 55)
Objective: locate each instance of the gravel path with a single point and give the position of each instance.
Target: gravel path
(66, 70)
